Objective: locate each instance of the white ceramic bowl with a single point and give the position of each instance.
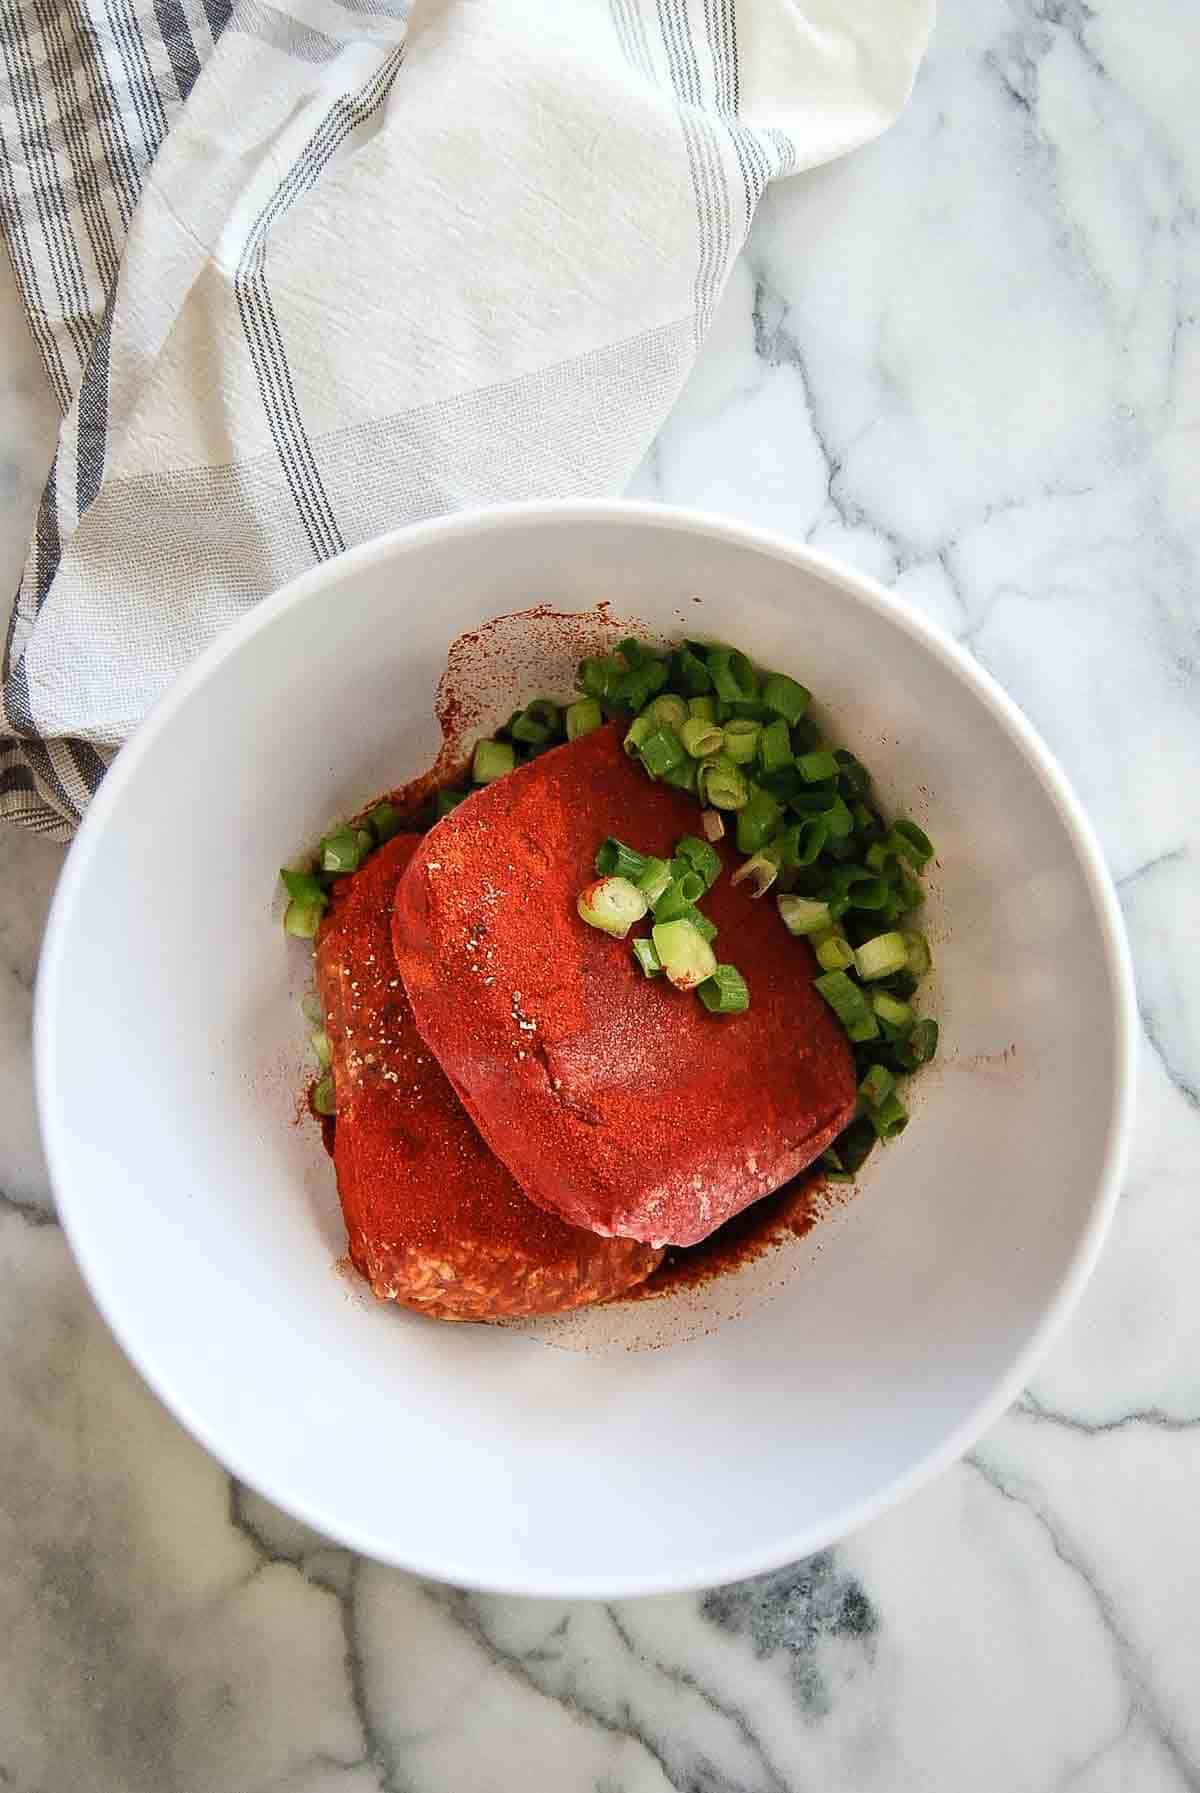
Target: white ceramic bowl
(169, 1053)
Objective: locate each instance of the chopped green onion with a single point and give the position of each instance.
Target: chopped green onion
(445, 801)
(640, 729)
(632, 651)
(701, 738)
(704, 709)
(671, 904)
(669, 711)
(323, 1097)
(732, 674)
(647, 958)
(895, 1017)
(757, 820)
(713, 824)
(319, 1042)
(686, 956)
(529, 730)
(310, 1005)
(634, 689)
(803, 842)
(612, 905)
(848, 1004)
(876, 1086)
(838, 820)
(741, 741)
(880, 956)
(834, 952)
(701, 857)
(801, 915)
(918, 958)
(775, 746)
(492, 760)
(661, 751)
(815, 768)
(384, 821)
(786, 697)
(889, 1118)
(853, 775)
(862, 890)
(913, 842)
(920, 1045)
(597, 675)
(815, 800)
(614, 856)
(308, 903)
(341, 851)
(583, 718)
(691, 672)
(761, 870)
(725, 992)
(684, 776)
(655, 878)
(833, 1166)
(691, 884)
(722, 784)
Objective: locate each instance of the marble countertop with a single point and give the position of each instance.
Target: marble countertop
(967, 359)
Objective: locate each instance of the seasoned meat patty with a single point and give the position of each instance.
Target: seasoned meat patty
(616, 1101)
(435, 1221)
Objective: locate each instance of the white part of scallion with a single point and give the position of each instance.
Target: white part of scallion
(685, 954)
(712, 823)
(613, 905)
(804, 915)
(880, 956)
(760, 870)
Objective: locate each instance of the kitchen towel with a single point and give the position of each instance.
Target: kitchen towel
(301, 272)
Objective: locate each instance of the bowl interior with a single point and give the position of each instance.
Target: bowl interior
(205, 1216)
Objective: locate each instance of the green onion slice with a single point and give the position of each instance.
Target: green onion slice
(920, 1045)
(614, 856)
(876, 1086)
(445, 801)
(889, 1118)
(639, 730)
(529, 730)
(704, 709)
(741, 740)
(613, 905)
(775, 747)
(661, 751)
(492, 760)
(654, 879)
(583, 718)
(701, 738)
(817, 767)
(319, 1042)
(834, 952)
(722, 784)
(310, 1005)
(895, 1017)
(786, 697)
(341, 851)
(732, 675)
(761, 870)
(669, 711)
(725, 992)
(384, 821)
(918, 958)
(803, 915)
(913, 842)
(691, 673)
(686, 956)
(802, 843)
(323, 1097)
(308, 903)
(597, 675)
(647, 958)
(880, 956)
(701, 857)
(632, 651)
(757, 820)
(684, 776)
(849, 1004)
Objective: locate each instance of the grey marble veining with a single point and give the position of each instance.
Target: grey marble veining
(967, 359)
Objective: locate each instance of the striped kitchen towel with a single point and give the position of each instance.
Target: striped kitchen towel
(300, 272)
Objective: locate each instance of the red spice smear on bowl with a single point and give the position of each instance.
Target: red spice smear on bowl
(434, 1219)
(618, 1103)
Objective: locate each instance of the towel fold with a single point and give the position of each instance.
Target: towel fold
(301, 273)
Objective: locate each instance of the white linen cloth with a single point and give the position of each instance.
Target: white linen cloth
(303, 272)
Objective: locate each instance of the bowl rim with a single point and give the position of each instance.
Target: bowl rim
(75, 1212)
